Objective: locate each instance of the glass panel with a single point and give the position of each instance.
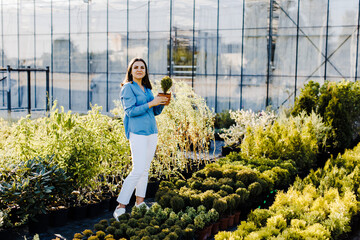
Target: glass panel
(255, 39)
(20, 100)
(97, 52)
(38, 91)
(117, 52)
(206, 52)
(341, 49)
(114, 88)
(26, 16)
(78, 16)
(312, 38)
(158, 52)
(228, 96)
(43, 16)
(254, 93)
(79, 93)
(282, 83)
(61, 89)
(138, 15)
(206, 15)
(117, 16)
(230, 14)
(342, 39)
(205, 87)
(10, 19)
(61, 53)
(183, 15)
(182, 55)
(256, 14)
(60, 17)
(26, 50)
(97, 16)
(79, 53)
(98, 90)
(138, 45)
(160, 15)
(11, 50)
(282, 91)
(43, 51)
(229, 52)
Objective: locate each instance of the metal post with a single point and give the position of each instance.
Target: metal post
(107, 56)
(357, 44)
(47, 88)
(269, 52)
(29, 89)
(127, 31)
(326, 39)
(2, 48)
(88, 58)
(297, 48)
(148, 36)
(69, 55)
(35, 103)
(242, 56)
(18, 53)
(8, 79)
(193, 49)
(52, 51)
(217, 54)
(170, 41)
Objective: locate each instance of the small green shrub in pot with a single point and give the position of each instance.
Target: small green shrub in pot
(220, 205)
(166, 84)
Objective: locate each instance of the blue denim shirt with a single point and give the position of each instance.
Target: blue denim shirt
(139, 118)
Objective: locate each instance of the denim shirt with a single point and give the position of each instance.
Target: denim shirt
(139, 118)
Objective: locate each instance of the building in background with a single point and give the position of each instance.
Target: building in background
(235, 53)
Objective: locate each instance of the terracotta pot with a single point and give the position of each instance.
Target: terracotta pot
(224, 223)
(237, 218)
(215, 228)
(231, 220)
(202, 234)
(167, 95)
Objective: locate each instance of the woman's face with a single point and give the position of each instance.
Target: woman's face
(138, 70)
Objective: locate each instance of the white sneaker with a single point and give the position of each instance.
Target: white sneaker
(118, 212)
(141, 204)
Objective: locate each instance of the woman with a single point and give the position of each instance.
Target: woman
(140, 108)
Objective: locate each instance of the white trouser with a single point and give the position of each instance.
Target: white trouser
(142, 152)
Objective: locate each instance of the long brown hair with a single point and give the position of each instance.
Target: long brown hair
(129, 78)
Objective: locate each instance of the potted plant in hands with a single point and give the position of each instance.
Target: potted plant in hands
(166, 84)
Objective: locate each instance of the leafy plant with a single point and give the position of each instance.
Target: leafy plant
(33, 185)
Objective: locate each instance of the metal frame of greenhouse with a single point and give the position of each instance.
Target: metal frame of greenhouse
(275, 51)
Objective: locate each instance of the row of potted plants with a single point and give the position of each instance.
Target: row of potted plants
(155, 223)
(324, 205)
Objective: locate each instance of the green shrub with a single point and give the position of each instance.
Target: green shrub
(338, 104)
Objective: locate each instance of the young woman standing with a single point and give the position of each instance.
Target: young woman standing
(140, 108)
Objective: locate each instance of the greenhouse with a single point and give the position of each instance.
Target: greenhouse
(245, 54)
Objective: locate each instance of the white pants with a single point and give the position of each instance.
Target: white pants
(142, 152)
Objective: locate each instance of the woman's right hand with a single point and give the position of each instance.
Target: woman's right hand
(157, 101)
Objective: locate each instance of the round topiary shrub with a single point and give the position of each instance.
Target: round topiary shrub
(255, 189)
(227, 189)
(214, 172)
(177, 203)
